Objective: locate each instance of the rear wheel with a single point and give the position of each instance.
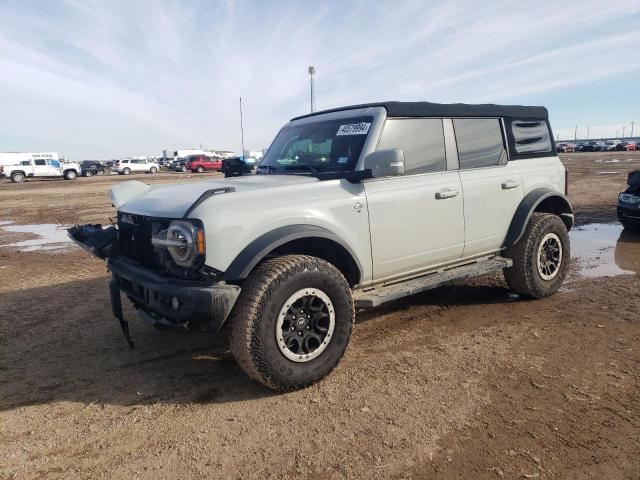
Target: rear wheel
(540, 258)
(292, 322)
(17, 177)
(153, 170)
(200, 169)
(126, 171)
(88, 173)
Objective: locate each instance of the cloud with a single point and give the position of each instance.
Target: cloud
(111, 78)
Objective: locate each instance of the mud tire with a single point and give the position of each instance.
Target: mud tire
(523, 277)
(252, 325)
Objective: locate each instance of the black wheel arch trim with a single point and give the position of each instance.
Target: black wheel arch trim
(526, 208)
(258, 249)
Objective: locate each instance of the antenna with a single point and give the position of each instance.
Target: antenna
(241, 128)
(312, 71)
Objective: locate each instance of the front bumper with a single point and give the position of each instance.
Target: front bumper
(629, 214)
(201, 306)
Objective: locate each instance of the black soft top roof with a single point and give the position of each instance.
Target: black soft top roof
(428, 109)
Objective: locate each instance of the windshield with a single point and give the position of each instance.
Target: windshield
(329, 146)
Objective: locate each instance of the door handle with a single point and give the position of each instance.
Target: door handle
(509, 184)
(442, 194)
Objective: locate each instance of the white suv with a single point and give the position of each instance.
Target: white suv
(351, 208)
(136, 165)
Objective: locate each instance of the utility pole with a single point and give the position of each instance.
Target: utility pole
(575, 134)
(624, 127)
(588, 130)
(241, 128)
(632, 129)
(617, 132)
(312, 71)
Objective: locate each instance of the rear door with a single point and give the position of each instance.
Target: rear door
(491, 184)
(416, 220)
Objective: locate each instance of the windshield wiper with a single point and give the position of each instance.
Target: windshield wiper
(267, 167)
(301, 166)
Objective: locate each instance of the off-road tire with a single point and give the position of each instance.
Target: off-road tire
(70, 175)
(251, 327)
(17, 177)
(523, 277)
(153, 170)
(200, 169)
(126, 171)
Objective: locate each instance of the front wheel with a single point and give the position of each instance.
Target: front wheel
(292, 322)
(200, 169)
(153, 170)
(126, 171)
(88, 173)
(70, 175)
(540, 258)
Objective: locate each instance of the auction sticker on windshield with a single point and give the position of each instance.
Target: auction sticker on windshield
(361, 128)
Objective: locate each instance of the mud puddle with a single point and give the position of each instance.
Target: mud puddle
(605, 250)
(49, 236)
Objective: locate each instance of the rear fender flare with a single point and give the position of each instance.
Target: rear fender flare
(529, 204)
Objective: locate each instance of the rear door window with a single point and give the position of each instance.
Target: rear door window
(422, 141)
(40, 162)
(480, 142)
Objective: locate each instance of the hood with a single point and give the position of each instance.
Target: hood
(172, 201)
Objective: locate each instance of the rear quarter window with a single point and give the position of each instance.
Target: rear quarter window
(531, 136)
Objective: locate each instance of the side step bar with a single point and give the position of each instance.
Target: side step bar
(394, 291)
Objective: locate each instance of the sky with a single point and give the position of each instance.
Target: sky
(109, 78)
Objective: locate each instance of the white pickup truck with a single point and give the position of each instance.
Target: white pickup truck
(41, 168)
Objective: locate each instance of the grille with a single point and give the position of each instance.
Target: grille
(134, 239)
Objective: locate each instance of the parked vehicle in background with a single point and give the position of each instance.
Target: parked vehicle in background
(93, 167)
(41, 168)
(579, 147)
(351, 208)
(565, 147)
(237, 166)
(610, 145)
(591, 146)
(178, 165)
(136, 165)
(629, 145)
(202, 163)
(629, 202)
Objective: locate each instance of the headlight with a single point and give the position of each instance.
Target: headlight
(627, 198)
(185, 242)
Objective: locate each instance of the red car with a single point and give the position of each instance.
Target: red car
(201, 163)
(628, 146)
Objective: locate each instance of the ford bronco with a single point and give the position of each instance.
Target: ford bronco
(350, 208)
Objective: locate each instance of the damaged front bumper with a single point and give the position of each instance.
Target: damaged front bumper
(166, 303)
(171, 303)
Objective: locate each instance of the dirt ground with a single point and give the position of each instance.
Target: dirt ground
(466, 381)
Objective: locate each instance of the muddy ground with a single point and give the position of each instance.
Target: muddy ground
(466, 381)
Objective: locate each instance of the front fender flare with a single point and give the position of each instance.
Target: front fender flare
(529, 204)
(258, 249)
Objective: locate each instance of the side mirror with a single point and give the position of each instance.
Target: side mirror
(385, 163)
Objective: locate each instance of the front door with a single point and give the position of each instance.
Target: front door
(416, 219)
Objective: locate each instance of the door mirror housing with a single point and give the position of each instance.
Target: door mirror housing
(385, 163)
